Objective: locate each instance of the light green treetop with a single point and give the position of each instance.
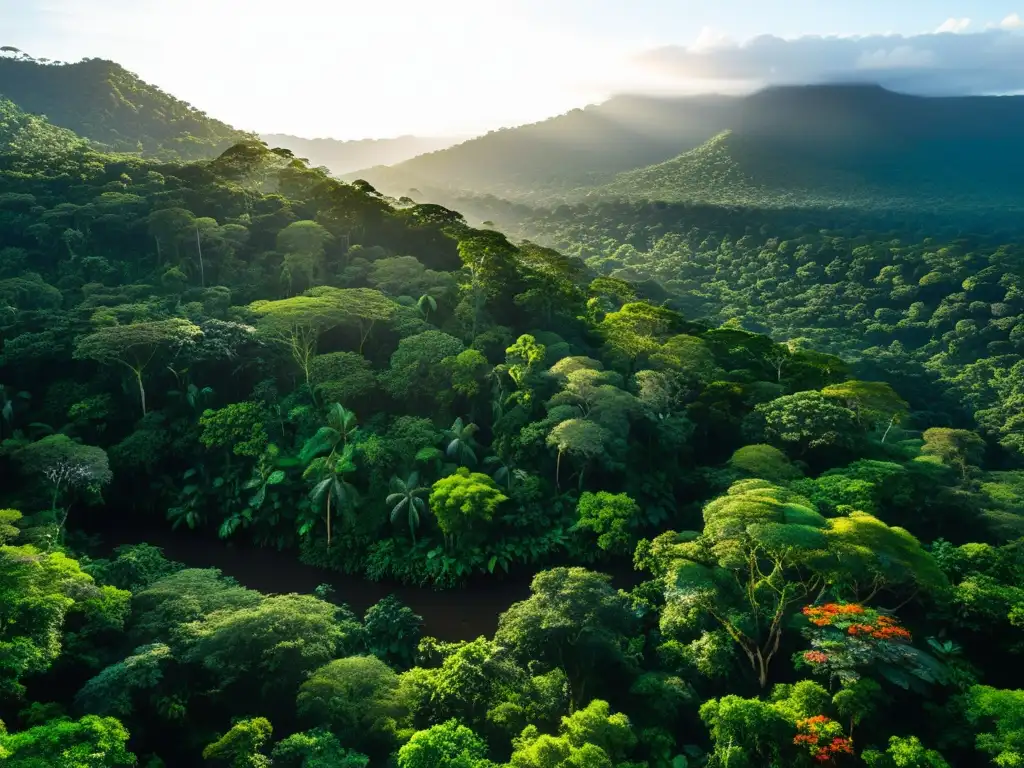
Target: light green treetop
(136, 345)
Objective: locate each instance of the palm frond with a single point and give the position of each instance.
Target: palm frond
(324, 440)
(320, 489)
(315, 468)
(397, 510)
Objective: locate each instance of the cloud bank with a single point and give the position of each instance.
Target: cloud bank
(944, 62)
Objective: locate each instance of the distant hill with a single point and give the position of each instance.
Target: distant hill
(846, 145)
(584, 147)
(105, 103)
(781, 146)
(342, 157)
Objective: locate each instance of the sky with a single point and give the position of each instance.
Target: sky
(350, 70)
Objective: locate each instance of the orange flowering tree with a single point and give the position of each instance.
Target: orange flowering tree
(823, 738)
(847, 638)
(765, 551)
(788, 728)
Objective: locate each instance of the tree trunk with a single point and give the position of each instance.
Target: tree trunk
(364, 336)
(328, 518)
(891, 422)
(62, 523)
(56, 492)
(142, 391)
(558, 468)
(202, 272)
(762, 670)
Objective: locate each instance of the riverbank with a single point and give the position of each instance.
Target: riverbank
(462, 613)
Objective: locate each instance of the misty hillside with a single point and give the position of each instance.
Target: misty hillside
(782, 145)
(857, 146)
(583, 147)
(105, 103)
(342, 157)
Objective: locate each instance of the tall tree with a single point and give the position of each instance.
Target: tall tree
(406, 498)
(329, 458)
(303, 244)
(573, 619)
(297, 324)
(364, 307)
(461, 445)
(135, 346)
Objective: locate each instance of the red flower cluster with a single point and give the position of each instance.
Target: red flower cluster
(826, 615)
(883, 628)
(823, 738)
(815, 657)
(856, 620)
(813, 723)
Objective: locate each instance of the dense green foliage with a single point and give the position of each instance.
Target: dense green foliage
(825, 531)
(938, 319)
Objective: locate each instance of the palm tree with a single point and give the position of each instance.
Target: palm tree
(426, 305)
(461, 445)
(506, 471)
(328, 474)
(498, 390)
(406, 496)
(340, 427)
(328, 471)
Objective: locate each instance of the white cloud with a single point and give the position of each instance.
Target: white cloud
(901, 57)
(709, 39)
(953, 25)
(1013, 21)
(929, 64)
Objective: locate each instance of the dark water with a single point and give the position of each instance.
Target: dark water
(462, 613)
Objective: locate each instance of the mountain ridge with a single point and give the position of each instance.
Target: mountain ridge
(861, 142)
(114, 108)
(584, 146)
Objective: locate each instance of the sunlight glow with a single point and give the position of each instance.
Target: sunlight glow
(350, 70)
(344, 69)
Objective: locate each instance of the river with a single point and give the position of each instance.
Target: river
(463, 613)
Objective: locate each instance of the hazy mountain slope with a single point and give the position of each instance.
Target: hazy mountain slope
(581, 148)
(342, 157)
(853, 144)
(107, 104)
(857, 146)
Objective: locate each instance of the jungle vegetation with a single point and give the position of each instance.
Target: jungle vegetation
(806, 445)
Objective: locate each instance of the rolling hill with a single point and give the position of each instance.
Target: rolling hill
(341, 157)
(102, 101)
(861, 147)
(808, 145)
(584, 147)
